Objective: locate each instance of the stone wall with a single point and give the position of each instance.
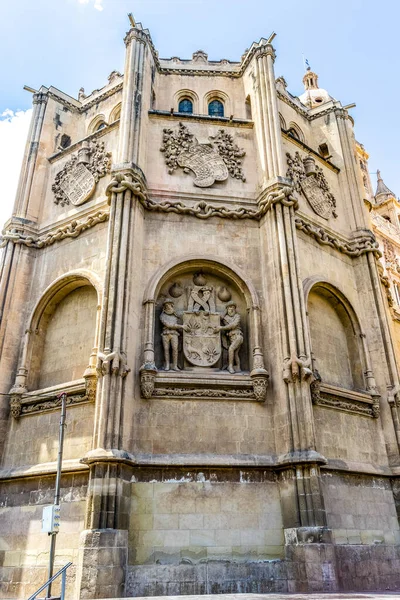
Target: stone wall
(194, 520)
(24, 549)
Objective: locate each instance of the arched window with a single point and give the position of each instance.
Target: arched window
(115, 113)
(185, 106)
(295, 132)
(101, 126)
(216, 108)
(397, 293)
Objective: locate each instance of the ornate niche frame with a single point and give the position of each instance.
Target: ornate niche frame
(209, 383)
(27, 402)
(363, 402)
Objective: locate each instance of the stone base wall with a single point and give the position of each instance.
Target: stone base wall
(310, 568)
(24, 549)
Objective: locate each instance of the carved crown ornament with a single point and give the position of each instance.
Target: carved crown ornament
(76, 182)
(210, 162)
(309, 180)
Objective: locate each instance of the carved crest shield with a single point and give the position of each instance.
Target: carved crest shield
(205, 163)
(201, 345)
(78, 185)
(316, 197)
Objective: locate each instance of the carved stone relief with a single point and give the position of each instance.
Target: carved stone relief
(210, 324)
(309, 180)
(210, 162)
(76, 182)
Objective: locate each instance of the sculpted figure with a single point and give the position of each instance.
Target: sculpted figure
(231, 320)
(170, 334)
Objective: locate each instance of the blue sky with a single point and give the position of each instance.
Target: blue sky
(353, 46)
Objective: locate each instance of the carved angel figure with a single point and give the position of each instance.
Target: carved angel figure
(231, 320)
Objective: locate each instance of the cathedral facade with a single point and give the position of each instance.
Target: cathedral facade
(194, 258)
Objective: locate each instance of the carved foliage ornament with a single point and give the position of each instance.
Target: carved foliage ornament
(76, 182)
(210, 162)
(309, 180)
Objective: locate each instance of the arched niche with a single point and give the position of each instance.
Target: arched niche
(338, 345)
(62, 335)
(202, 289)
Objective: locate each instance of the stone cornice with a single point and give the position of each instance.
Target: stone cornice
(93, 136)
(354, 248)
(302, 111)
(72, 229)
(225, 121)
(309, 150)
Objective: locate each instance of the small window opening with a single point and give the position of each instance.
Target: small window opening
(216, 108)
(185, 106)
(153, 100)
(65, 141)
(293, 133)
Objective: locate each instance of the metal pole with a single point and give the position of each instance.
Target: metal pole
(53, 534)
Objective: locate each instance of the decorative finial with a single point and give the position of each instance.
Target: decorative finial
(131, 19)
(382, 193)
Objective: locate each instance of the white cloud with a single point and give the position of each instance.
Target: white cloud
(98, 4)
(13, 134)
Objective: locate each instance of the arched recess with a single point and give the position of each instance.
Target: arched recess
(99, 122)
(228, 284)
(338, 346)
(189, 95)
(62, 335)
(282, 122)
(222, 97)
(115, 114)
(295, 131)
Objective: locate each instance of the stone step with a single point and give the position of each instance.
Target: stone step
(316, 596)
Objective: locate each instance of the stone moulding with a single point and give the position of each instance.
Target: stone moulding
(71, 230)
(173, 386)
(78, 392)
(354, 248)
(330, 396)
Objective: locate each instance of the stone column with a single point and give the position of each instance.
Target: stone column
(267, 120)
(351, 188)
(15, 268)
(303, 510)
(105, 540)
(291, 371)
(132, 97)
(31, 153)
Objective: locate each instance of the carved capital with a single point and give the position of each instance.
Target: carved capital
(260, 385)
(135, 34)
(147, 378)
(15, 406)
(113, 363)
(131, 179)
(265, 50)
(296, 368)
(91, 386)
(39, 98)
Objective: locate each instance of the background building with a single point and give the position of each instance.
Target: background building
(190, 258)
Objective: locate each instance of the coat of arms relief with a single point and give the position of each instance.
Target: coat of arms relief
(201, 327)
(309, 180)
(210, 162)
(76, 182)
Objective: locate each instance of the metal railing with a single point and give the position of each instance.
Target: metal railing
(63, 573)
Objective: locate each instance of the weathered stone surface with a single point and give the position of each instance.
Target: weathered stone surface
(214, 314)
